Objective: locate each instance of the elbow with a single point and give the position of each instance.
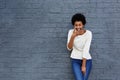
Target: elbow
(68, 48)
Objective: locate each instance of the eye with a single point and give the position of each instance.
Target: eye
(79, 24)
(76, 25)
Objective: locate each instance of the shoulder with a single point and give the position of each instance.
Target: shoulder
(71, 30)
(89, 32)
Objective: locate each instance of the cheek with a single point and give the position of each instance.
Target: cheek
(81, 25)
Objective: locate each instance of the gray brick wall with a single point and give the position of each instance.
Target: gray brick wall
(33, 36)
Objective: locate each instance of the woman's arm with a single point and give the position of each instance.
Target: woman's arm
(84, 65)
(87, 45)
(86, 52)
(70, 44)
(84, 62)
(71, 37)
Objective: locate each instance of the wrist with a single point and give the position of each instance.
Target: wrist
(84, 62)
(83, 66)
(73, 36)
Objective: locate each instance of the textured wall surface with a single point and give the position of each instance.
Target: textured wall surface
(33, 35)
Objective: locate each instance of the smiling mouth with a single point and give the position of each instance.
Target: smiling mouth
(78, 29)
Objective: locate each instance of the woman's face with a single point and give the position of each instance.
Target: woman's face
(78, 25)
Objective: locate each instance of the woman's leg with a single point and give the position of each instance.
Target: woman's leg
(76, 67)
(88, 69)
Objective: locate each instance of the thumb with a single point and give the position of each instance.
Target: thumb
(74, 29)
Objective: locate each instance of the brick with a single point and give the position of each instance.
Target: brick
(33, 36)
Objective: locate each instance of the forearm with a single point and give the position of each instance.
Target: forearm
(70, 44)
(84, 62)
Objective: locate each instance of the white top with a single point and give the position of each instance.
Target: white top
(81, 45)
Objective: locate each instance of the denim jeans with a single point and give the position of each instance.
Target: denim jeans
(76, 67)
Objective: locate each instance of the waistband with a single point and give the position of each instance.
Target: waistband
(81, 59)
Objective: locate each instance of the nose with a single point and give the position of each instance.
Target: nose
(78, 27)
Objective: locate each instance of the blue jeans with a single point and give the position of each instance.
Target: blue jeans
(76, 67)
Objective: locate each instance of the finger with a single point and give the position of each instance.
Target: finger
(74, 30)
(83, 72)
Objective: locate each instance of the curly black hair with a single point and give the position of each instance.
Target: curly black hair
(78, 17)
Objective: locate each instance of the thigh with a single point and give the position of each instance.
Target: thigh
(76, 67)
(88, 69)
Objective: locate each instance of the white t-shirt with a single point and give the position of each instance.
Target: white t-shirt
(81, 45)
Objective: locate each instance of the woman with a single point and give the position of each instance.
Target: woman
(78, 42)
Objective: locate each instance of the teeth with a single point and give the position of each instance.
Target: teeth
(78, 29)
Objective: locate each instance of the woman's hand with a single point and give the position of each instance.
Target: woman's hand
(75, 32)
(83, 68)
